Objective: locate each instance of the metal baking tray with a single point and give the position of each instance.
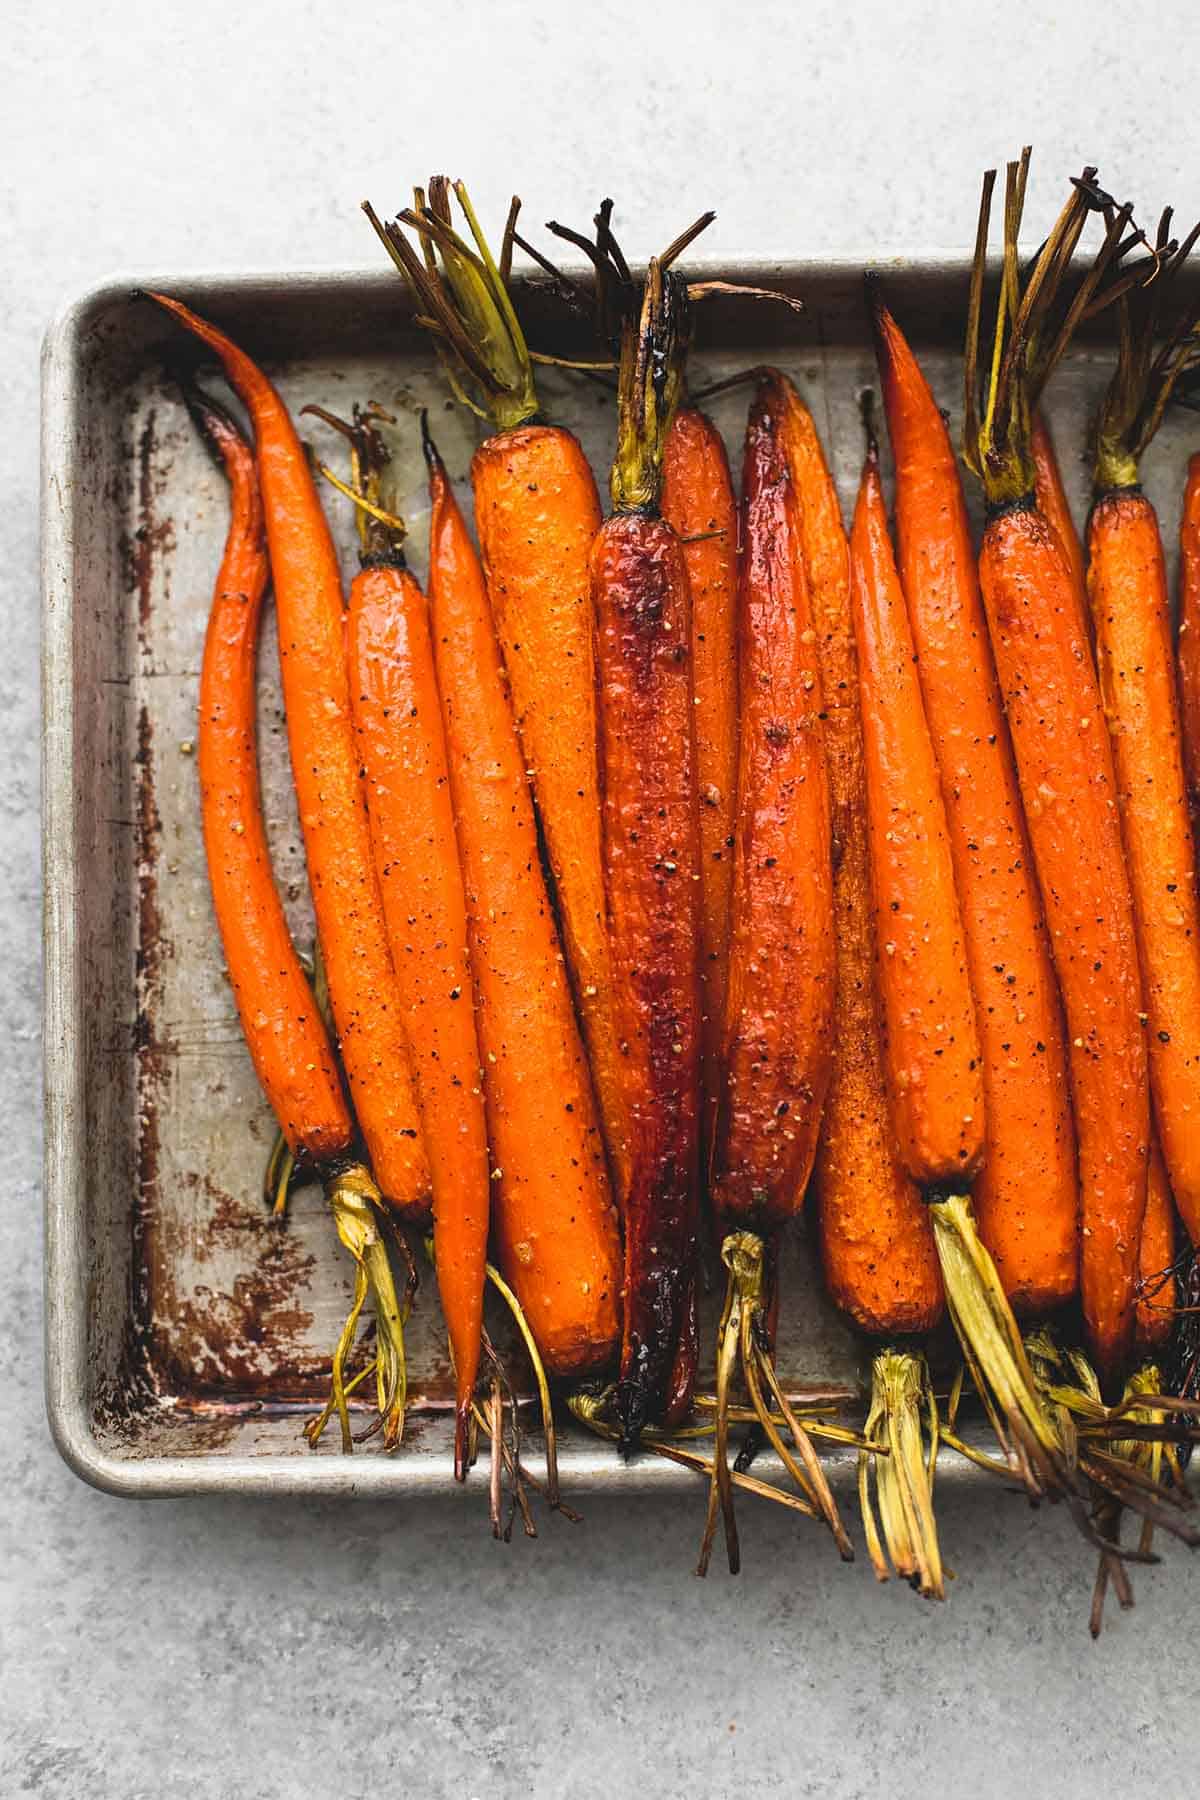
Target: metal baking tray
(186, 1336)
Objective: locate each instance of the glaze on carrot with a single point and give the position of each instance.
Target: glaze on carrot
(1157, 1295)
(1025, 1195)
(554, 1225)
(698, 503)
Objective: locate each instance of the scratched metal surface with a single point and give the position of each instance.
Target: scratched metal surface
(187, 1336)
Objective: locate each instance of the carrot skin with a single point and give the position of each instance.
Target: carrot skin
(1188, 646)
(777, 1037)
(651, 840)
(1155, 1308)
(286, 1037)
(367, 1008)
(1026, 1194)
(877, 1245)
(931, 1045)
(554, 1226)
(1127, 589)
(402, 749)
(698, 502)
(1068, 782)
(537, 513)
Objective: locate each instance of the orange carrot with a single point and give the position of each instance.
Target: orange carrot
(1187, 651)
(402, 752)
(1053, 503)
(367, 1008)
(1025, 1196)
(876, 1241)
(698, 503)
(931, 1044)
(1065, 766)
(288, 1043)
(1156, 1281)
(536, 512)
(555, 1229)
(280, 1018)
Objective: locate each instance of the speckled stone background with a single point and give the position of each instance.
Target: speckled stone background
(209, 1650)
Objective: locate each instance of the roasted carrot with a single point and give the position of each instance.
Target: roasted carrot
(554, 1226)
(1064, 759)
(641, 603)
(931, 1043)
(402, 753)
(777, 1039)
(1051, 493)
(537, 512)
(876, 1239)
(367, 1009)
(282, 1025)
(287, 1040)
(1130, 605)
(698, 503)
(1187, 651)
(1025, 1195)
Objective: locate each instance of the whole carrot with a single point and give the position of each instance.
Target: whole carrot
(281, 1022)
(367, 1008)
(537, 512)
(1051, 493)
(698, 503)
(876, 1240)
(1130, 605)
(1025, 1195)
(1187, 650)
(777, 1041)
(402, 752)
(1064, 759)
(554, 1226)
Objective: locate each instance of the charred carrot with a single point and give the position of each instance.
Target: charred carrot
(1064, 759)
(555, 1228)
(1187, 652)
(367, 1009)
(698, 503)
(537, 512)
(641, 602)
(1025, 1196)
(777, 1039)
(282, 1025)
(1130, 605)
(876, 1239)
(402, 753)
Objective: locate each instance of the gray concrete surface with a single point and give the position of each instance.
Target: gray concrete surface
(208, 1650)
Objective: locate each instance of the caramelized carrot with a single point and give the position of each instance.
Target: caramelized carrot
(286, 1037)
(1025, 1196)
(931, 1044)
(1187, 651)
(876, 1240)
(402, 752)
(777, 1037)
(651, 845)
(1065, 768)
(698, 503)
(555, 1229)
(281, 1021)
(367, 1008)
(536, 512)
